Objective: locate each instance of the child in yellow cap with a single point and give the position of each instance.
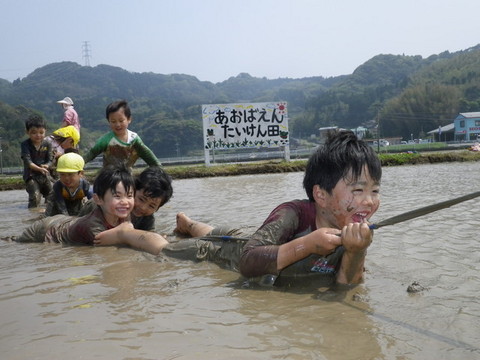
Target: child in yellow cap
(63, 140)
(71, 190)
(67, 137)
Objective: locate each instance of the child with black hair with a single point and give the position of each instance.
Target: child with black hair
(328, 233)
(121, 144)
(37, 156)
(153, 189)
(64, 141)
(325, 236)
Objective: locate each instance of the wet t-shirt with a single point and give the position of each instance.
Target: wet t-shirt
(285, 223)
(77, 230)
(115, 150)
(83, 231)
(30, 154)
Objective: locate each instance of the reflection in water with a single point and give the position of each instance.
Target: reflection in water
(114, 303)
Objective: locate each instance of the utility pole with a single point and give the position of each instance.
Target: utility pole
(86, 52)
(1, 157)
(378, 131)
(377, 107)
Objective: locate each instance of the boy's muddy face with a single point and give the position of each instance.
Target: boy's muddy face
(354, 201)
(119, 122)
(145, 205)
(117, 205)
(70, 180)
(67, 143)
(36, 135)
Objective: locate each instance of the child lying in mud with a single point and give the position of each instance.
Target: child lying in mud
(114, 191)
(153, 189)
(326, 234)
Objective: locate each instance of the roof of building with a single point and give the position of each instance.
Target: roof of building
(469, 115)
(445, 128)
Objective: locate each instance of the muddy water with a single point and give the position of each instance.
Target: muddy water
(108, 303)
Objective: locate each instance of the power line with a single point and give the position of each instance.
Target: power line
(86, 52)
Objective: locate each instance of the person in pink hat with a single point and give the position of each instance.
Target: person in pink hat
(70, 116)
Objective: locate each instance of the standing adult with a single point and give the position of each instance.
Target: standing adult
(70, 116)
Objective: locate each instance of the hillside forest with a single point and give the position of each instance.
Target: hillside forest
(404, 95)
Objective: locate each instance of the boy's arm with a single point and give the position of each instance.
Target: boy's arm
(125, 234)
(50, 204)
(56, 200)
(322, 241)
(40, 169)
(356, 238)
(87, 208)
(99, 147)
(50, 155)
(145, 153)
(351, 268)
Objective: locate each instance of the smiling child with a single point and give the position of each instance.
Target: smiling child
(71, 190)
(121, 144)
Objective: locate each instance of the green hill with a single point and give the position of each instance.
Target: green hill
(410, 94)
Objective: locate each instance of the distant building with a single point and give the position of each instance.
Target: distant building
(467, 126)
(360, 131)
(323, 131)
(443, 133)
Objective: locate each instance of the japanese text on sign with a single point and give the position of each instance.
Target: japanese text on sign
(227, 126)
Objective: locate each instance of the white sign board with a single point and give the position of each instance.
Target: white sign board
(248, 125)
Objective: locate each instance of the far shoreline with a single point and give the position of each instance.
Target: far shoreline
(178, 172)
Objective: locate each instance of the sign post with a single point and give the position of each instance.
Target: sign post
(246, 125)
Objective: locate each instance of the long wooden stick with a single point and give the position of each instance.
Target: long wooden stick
(424, 210)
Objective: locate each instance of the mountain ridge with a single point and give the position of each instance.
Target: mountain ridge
(166, 108)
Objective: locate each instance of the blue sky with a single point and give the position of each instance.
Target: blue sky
(216, 39)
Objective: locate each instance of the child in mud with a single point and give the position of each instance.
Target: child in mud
(63, 141)
(71, 190)
(153, 189)
(114, 191)
(342, 182)
(121, 144)
(326, 235)
(37, 156)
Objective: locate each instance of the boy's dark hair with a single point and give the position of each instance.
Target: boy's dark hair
(117, 105)
(342, 152)
(109, 177)
(35, 121)
(155, 183)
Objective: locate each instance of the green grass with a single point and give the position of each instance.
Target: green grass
(434, 146)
